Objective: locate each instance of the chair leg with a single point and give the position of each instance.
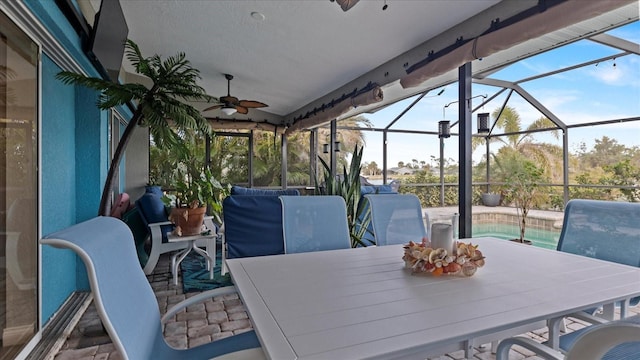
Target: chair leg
(223, 268)
(624, 307)
(211, 250)
(152, 261)
(563, 326)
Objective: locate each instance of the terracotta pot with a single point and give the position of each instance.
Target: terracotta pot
(189, 220)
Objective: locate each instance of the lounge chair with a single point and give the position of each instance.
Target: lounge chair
(125, 301)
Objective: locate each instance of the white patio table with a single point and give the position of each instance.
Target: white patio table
(361, 303)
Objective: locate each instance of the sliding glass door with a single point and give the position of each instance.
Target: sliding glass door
(18, 188)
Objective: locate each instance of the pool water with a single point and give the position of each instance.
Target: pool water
(541, 238)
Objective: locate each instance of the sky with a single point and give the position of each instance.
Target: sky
(604, 91)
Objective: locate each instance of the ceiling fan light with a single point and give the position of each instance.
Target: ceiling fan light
(228, 110)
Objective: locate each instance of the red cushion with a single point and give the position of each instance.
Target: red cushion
(120, 206)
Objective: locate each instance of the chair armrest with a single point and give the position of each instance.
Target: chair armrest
(581, 315)
(502, 353)
(196, 299)
(555, 323)
(209, 223)
(156, 231)
(161, 223)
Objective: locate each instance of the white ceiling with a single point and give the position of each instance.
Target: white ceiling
(305, 53)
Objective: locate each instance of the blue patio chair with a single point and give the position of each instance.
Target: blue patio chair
(314, 223)
(606, 230)
(125, 301)
(252, 226)
(396, 218)
(616, 340)
(368, 237)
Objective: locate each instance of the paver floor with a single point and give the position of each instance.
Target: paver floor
(214, 319)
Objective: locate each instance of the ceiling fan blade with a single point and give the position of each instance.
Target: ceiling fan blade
(347, 4)
(252, 104)
(242, 109)
(212, 107)
(229, 100)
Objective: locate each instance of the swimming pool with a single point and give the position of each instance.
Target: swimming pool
(541, 238)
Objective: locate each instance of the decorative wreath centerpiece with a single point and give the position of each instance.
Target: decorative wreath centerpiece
(463, 260)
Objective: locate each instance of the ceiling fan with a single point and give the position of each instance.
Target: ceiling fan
(230, 104)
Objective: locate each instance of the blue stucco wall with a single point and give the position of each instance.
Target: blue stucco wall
(91, 161)
(74, 159)
(91, 128)
(58, 186)
(75, 156)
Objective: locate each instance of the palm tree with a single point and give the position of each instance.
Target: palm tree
(348, 138)
(159, 107)
(510, 122)
(298, 159)
(521, 141)
(266, 154)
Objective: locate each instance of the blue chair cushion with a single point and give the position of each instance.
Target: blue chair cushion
(154, 189)
(376, 189)
(239, 190)
(252, 226)
(153, 210)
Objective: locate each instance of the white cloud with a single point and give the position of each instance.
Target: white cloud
(626, 72)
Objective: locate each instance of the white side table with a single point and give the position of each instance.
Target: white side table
(177, 258)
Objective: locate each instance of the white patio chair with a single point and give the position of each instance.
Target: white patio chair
(154, 215)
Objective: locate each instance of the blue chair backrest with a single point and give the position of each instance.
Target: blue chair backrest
(153, 210)
(252, 226)
(368, 237)
(119, 286)
(314, 223)
(607, 230)
(239, 190)
(396, 218)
